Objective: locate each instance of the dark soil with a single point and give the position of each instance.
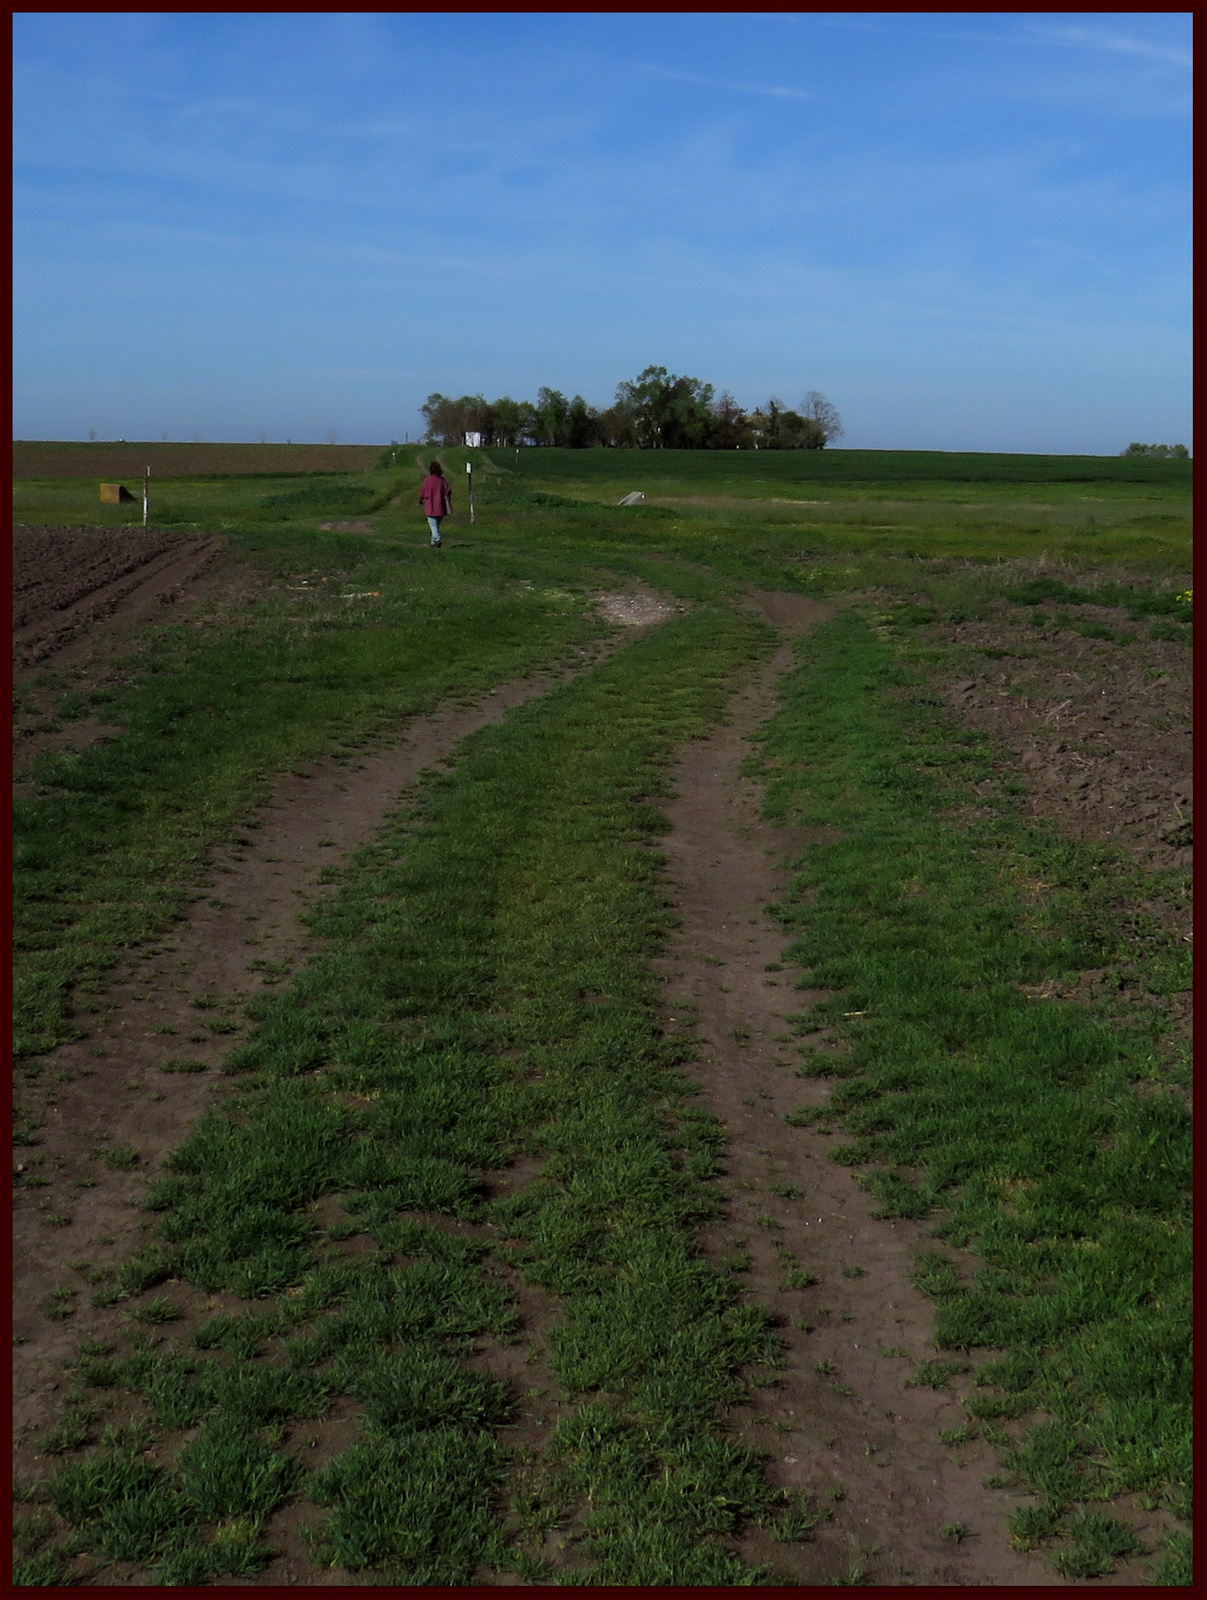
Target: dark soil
(65, 580)
(86, 644)
(1102, 731)
(1102, 737)
(115, 461)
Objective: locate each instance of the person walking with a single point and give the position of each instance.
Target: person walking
(436, 498)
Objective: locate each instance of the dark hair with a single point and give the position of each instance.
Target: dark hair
(436, 469)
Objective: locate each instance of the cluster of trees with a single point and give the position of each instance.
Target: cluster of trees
(1157, 452)
(654, 411)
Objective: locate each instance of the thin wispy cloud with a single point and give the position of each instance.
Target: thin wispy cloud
(1118, 43)
(285, 233)
(1082, 38)
(774, 91)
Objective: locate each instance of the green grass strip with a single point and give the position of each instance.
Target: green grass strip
(487, 992)
(1054, 1139)
(108, 851)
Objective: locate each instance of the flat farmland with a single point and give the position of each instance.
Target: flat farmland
(120, 461)
(649, 1046)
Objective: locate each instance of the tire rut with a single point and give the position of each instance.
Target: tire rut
(107, 1089)
(851, 1435)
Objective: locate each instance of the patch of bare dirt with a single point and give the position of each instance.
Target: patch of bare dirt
(638, 607)
(85, 646)
(790, 613)
(109, 459)
(1102, 731)
(839, 1422)
(66, 580)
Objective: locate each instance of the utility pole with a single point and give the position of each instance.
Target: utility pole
(469, 472)
(146, 494)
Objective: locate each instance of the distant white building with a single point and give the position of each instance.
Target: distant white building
(474, 440)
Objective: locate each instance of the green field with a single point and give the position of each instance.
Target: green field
(1088, 509)
(484, 994)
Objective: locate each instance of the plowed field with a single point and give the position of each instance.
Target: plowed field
(66, 579)
(37, 458)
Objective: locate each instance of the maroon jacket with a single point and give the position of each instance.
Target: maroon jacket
(436, 496)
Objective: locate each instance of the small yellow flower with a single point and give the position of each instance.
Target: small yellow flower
(1186, 594)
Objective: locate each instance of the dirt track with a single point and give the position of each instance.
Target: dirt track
(854, 1437)
(877, 1447)
(109, 1089)
(857, 1432)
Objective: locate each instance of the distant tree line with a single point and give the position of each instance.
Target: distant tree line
(654, 411)
(1157, 452)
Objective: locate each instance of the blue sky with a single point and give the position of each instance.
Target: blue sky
(971, 231)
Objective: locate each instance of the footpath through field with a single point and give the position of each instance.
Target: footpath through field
(435, 1264)
(312, 820)
(484, 991)
(236, 944)
(839, 1424)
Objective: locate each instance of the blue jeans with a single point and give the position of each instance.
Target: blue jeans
(434, 524)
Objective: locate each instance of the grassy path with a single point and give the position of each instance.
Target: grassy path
(323, 1333)
(487, 991)
(1048, 1139)
(114, 845)
(339, 1240)
(841, 1424)
(119, 1100)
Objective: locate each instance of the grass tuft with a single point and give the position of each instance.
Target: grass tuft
(1030, 1124)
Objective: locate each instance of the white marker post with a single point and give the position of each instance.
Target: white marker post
(146, 494)
(469, 472)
